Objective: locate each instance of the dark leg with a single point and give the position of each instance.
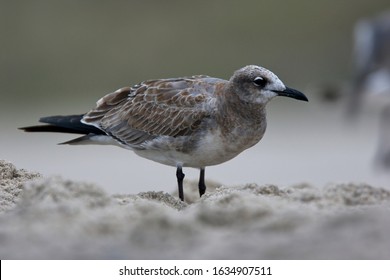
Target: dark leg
(180, 177)
(202, 185)
(383, 147)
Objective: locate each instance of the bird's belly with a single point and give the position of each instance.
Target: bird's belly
(210, 149)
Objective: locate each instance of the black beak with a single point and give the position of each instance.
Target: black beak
(293, 93)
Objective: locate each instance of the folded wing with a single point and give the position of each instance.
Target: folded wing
(170, 107)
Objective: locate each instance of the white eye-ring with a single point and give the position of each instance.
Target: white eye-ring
(259, 81)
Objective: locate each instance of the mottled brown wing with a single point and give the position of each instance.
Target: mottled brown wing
(171, 107)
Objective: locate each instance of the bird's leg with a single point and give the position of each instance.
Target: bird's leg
(383, 147)
(202, 185)
(180, 177)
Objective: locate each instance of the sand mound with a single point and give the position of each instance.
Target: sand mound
(55, 218)
(11, 183)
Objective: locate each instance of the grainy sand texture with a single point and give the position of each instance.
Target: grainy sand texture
(53, 218)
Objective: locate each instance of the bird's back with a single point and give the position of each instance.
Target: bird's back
(155, 108)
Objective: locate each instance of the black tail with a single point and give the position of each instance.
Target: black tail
(63, 124)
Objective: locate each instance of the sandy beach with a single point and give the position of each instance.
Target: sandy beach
(311, 189)
(54, 218)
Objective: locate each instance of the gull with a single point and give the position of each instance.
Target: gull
(372, 62)
(371, 83)
(195, 121)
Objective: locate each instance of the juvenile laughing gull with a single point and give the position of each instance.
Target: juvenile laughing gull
(193, 121)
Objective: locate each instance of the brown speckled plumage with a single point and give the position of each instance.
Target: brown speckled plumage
(169, 107)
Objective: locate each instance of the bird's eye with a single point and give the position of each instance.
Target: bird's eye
(259, 81)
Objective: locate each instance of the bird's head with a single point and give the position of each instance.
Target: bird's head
(255, 84)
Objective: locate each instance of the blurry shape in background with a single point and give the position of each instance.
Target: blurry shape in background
(371, 83)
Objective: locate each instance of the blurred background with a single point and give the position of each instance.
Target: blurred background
(60, 57)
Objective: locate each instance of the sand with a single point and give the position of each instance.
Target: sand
(54, 218)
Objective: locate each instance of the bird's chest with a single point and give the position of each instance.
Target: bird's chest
(242, 130)
(242, 136)
(219, 145)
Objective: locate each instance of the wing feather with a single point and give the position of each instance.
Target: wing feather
(170, 107)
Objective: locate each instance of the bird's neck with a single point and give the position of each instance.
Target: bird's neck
(237, 115)
(232, 107)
